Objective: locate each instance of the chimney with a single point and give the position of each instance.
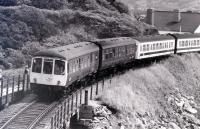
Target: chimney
(177, 15)
(150, 16)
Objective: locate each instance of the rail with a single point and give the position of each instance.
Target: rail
(28, 117)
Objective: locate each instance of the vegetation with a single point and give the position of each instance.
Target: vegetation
(37, 24)
(149, 90)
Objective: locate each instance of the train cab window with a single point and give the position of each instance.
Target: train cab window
(37, 65)
(48, 66)
(59, 68)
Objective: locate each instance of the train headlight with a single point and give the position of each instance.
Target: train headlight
(58, 82)
(35, 80)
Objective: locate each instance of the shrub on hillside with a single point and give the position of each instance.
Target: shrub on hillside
(15, 57)
(8, 2)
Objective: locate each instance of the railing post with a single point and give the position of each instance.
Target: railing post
(55, 123)
(52, 122)
(72, 105)
(13, 87)
(76, 100)
(61, 114)
(7, 86)
(27, 82)
(91, 92)
(68, 106)
(57, 120)
(64, 115)
(81, 96)
(1, 101)
(103, 84)
(86, 97)
(24, 82)
(18, 83)
(97, 88)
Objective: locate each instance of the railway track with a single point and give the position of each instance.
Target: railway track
(29, 116)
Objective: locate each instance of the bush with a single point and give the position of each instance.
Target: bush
(15, 57)
(8, 2)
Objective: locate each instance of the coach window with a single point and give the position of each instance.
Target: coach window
(37, 65)
(154, 46)
(144, 47)
(48, 66)
(186, 43)
(195, 42)
(147, 47)
(198, 42)
(171, 44)
(59, 67)
(182, 44)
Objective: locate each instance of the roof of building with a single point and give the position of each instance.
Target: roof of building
(114, 42)
(153, 38)
(185, 36)
(164, 20)
(69, 51)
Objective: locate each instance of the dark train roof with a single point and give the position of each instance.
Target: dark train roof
(184, 36)
(69, 51)
(153, 38)
(114, 42)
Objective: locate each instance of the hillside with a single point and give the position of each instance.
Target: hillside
(162, 96)
(30, 25)
(183, 5)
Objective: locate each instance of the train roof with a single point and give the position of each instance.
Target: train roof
(142, 39)
(185, 36)
(114, 42)
(70, 51)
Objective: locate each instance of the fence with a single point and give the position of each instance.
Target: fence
(13, 89)
(70, 106)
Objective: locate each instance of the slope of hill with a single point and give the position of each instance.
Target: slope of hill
(162, 96)
(30, 25)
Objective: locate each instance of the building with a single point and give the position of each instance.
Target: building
(174, 21)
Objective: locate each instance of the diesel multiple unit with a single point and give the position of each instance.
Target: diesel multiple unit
(61, 66)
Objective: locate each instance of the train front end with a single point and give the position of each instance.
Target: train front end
(49, 73)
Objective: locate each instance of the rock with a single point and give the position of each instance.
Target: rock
(189, 108)
(180, 103)
(191, 118)
(172, 125)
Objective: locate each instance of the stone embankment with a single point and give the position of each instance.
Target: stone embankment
(181, 112)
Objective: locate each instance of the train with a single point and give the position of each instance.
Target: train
(60, 67)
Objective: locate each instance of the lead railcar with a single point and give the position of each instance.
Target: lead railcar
(59, 67)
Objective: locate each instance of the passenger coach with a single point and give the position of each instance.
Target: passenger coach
(116, 51)
(187, 42)
(153, 46)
